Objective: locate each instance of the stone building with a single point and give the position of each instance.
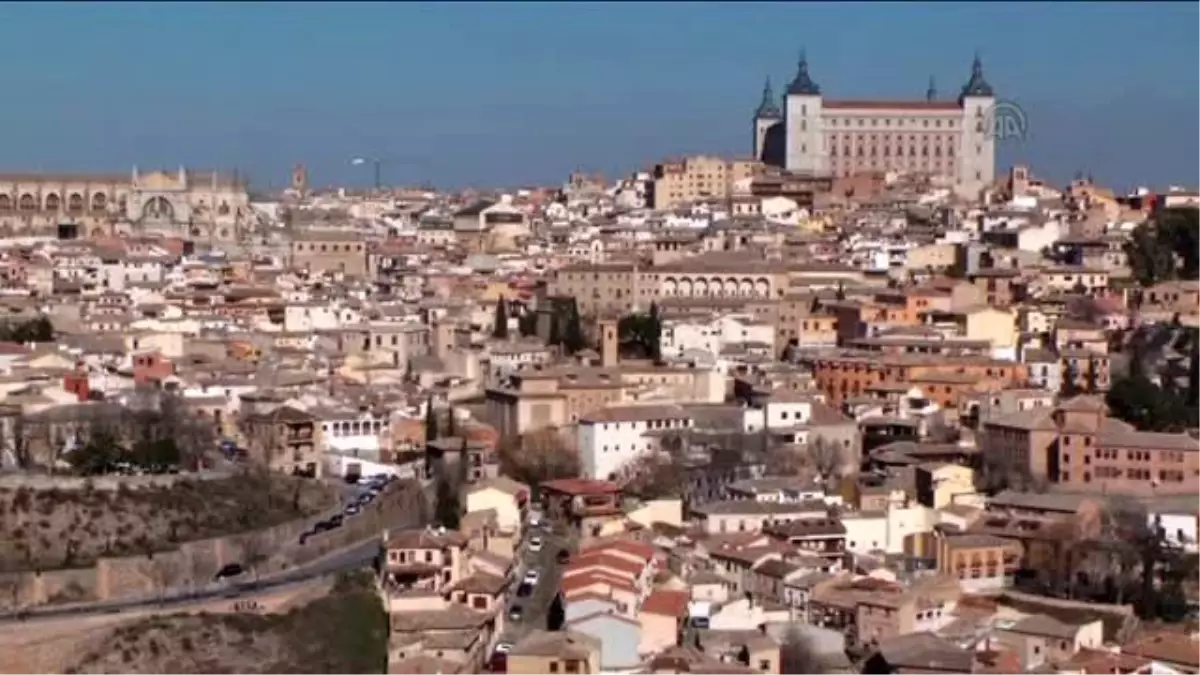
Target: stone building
(815, 134)
(205, 205)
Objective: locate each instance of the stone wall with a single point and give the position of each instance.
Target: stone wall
(107, 483)
(194, 564)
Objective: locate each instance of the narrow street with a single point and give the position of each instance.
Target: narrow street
(536, 606)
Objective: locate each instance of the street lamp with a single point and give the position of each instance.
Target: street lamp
(360, 161)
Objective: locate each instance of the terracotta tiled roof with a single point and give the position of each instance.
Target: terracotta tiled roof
(667, 603)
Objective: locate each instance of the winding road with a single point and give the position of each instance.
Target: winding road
(351, 558)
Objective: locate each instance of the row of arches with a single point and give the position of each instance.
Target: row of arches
(53, 202)
(744, 287)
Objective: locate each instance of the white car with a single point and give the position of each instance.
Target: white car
(535, 544)
(535, 519)
(532, 577)
(503, 647)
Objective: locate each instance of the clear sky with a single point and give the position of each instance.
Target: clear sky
(504, 94)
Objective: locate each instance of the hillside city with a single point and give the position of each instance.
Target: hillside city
(787, 413)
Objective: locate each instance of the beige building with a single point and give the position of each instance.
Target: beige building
(330, 251)
(618, 288)
(564, 652)
(182, 203)
(695, 178)
(949, 137)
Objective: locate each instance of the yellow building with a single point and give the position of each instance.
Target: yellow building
(699, 177)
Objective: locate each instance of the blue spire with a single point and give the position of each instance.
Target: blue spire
(931, 92)
(977, 85)
(768, 109)
(803, 84)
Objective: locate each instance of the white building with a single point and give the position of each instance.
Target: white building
(610, 439)
(714, 335)
(951, 138)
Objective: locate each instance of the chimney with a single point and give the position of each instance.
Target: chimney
(608, 343)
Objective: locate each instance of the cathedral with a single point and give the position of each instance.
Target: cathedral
(813, 134)
(206, 206)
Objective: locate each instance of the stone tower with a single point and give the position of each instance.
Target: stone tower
(609, 343)
(300, 179)
(978, 154)
(802, 113)
(768, 115)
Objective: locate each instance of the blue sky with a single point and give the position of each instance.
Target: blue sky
(505, 94)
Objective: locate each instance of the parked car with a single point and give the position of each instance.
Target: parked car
(535, 544)
(516, 613)
(563, 556)
(352, 510)
(524, 590)
(532, 577)
(229, 570)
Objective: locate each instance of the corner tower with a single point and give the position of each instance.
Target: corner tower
(805, 136)
(977, 164)
(767, 116)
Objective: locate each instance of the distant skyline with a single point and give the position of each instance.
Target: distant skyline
(496, 94)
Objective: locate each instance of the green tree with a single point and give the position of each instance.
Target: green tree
(33, 330)
(572, 336)
(447, 511)
(431, 422)
(500, 330)
(1166, 247)
(99, 455)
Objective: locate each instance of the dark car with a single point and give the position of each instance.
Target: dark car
(563, 556)
(516, 613)
(524, 590)
(230, 570)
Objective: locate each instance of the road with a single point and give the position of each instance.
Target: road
(351, 558)
(536, 606)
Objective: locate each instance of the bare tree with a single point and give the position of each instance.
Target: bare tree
(797, 655)
(664, 473)
(538, 456)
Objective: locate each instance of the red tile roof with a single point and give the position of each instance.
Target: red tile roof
(582, 486)
(634, 548)
(591, 578)
(667, 603)
(603, 560)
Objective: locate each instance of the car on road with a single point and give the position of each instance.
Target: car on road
(535, 519)
(516, 613)
(563, 557)
(352, 510)
(524, 590)
(532, 577)
(498, 663)
(229, 571)
(535, 544)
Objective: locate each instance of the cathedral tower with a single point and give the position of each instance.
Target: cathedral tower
(805, 141)
(767, 116)
(978, 151)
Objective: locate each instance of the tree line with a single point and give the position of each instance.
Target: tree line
(1166, 247)
(155, 433)
(32, 330)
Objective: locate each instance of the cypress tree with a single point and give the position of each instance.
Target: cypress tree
(431, 427)
(572, 338)
(500, 330)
